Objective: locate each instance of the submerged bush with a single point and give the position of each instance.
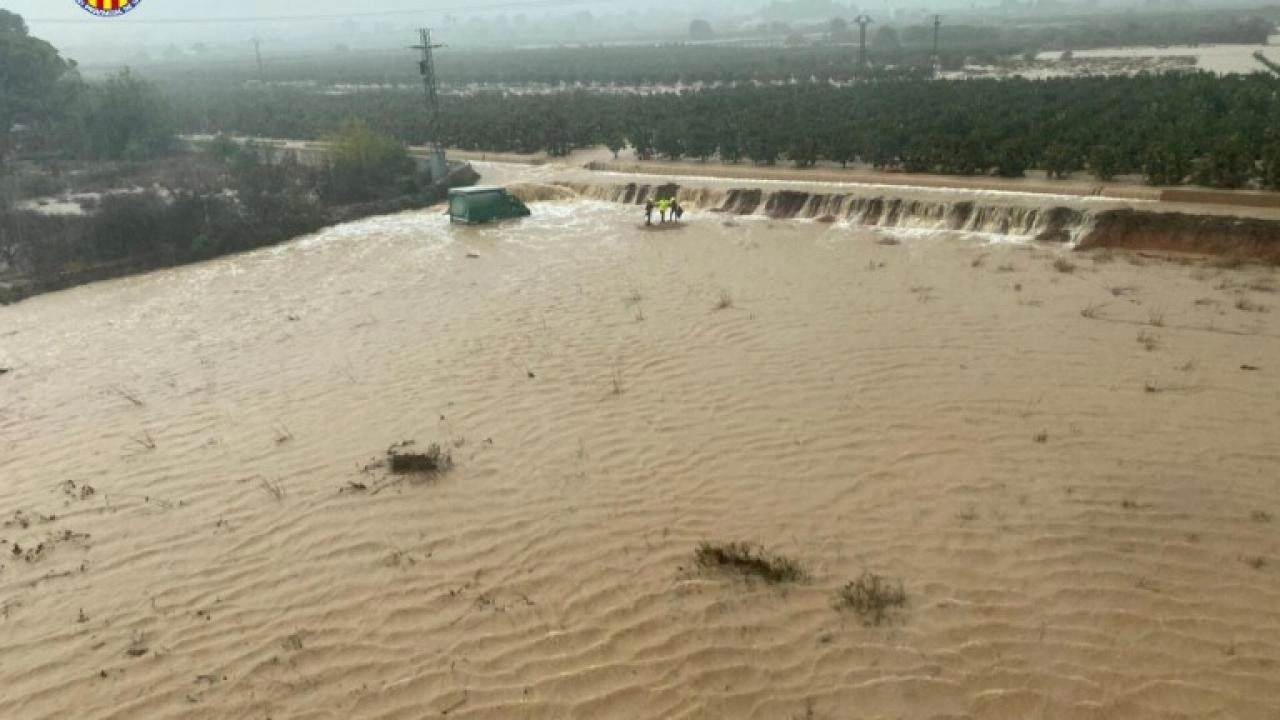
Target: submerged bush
(365, 165)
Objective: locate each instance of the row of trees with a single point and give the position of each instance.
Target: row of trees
(50, 115)
(46, 107)
(1219, 132)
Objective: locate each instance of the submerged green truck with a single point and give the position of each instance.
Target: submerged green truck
(484, 203)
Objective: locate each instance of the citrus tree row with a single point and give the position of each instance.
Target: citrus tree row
(1171, 129)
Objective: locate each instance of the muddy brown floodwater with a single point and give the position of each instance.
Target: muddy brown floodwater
(1072, 470)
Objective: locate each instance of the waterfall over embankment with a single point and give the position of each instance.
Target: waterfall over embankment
(1054, 224)
(1081, 227)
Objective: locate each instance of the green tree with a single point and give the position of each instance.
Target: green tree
(670, 140)
(615, 141)
(886, 40)
(1104, 162)
(30, 69)
(729, 141)
(802, 150)
(128, 118)
(1060, 160)
(838, 31)
(1011, 160)
(1271, 165)
(364, 164)
(700, 139)
(1227, 165)
(222, 147)
(700, 30)
(1164, 165)
(641, 137)
(839, 143)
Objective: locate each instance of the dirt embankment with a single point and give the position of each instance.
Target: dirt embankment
(1244, 238)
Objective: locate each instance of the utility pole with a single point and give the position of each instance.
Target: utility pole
(427, 68)
(937, 25)
(257, 50)
(863, 21)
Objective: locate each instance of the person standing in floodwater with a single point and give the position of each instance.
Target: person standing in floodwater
(677, 212)
(648, 212)
(663, 206)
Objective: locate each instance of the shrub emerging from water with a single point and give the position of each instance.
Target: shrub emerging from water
(365, 165)
(751, 561)
(872, 597)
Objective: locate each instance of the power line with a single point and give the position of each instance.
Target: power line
(427, 68)
(135, 20)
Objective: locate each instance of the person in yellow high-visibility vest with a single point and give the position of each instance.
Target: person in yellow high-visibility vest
(664, 206)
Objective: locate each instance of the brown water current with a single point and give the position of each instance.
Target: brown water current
(1069, 462)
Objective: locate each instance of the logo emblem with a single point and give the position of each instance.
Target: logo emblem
(108, 8)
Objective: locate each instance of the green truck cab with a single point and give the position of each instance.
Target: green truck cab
(484, 203)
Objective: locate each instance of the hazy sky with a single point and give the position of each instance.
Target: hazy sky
(159, 23)
(64, 23)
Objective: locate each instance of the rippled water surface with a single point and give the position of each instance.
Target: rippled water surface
(1073, 474)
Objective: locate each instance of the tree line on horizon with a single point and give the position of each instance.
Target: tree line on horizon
(48, 109)
(1171, 129)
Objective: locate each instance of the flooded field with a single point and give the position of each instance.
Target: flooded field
(1069, 463)
(1220, 59)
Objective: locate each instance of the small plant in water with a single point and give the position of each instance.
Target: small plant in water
(143, 441)
(1148, 341)
(872, 597)
(618, 389)
(1248, 305)
(129, 395)
(274, 489)
(725, 301)
(751, 561)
